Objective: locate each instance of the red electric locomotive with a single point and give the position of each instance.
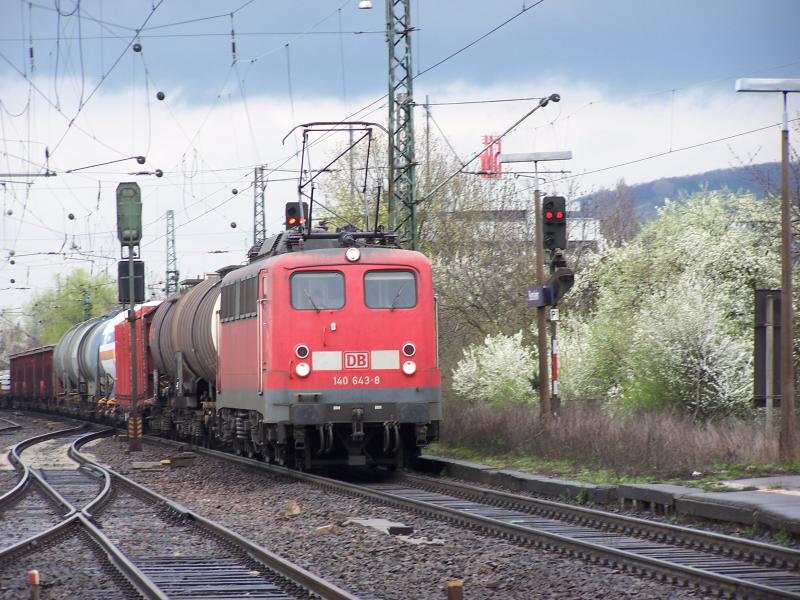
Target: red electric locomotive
(327, 353)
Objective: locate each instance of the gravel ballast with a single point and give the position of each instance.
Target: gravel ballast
(71, 566)
(31, 426)
(311, 527)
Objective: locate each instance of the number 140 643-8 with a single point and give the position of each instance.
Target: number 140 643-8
(356, 380)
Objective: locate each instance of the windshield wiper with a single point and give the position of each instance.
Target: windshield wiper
(311, 300)
(397, 296)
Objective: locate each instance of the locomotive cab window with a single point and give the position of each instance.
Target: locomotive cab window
(390, 289)
(317, 290)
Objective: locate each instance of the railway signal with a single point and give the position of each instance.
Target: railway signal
(296, 215)
(554, 222)
(129, 232)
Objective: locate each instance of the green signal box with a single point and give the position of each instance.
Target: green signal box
(129, 213)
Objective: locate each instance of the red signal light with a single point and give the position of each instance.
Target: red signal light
(292, 221)
(548, 215)
(559, 215)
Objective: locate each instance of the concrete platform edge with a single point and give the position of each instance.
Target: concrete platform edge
(519, 481)
(677, 500)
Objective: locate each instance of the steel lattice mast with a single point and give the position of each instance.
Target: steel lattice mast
(172, 276)
(259, 221)
(402, 198)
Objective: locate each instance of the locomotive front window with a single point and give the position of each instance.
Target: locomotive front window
(317, 290)
(390, 289)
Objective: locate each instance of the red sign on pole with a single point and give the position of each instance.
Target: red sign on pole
(490, 158)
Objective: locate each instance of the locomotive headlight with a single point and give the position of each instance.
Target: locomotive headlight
(409, 367)
(409, 349)
(352, 254)
(301, 351)
(302, 369)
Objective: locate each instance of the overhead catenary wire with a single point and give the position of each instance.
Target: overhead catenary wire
(103, 78)
(283, 161)
(487, 101)
(200, 169)
(673, 151)
(446, 139)
(209, 34)
(438, 63)
(450, 56)
(291, 93)
(82, 103)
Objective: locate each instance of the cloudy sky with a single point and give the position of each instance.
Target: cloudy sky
(646, 87)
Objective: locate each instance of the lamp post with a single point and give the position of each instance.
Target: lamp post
(541, 322)
(788, 435)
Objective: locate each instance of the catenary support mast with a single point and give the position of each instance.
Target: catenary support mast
(172, 275)
(259, 221)
(402, 162)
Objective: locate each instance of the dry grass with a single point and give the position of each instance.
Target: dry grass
(650, 444)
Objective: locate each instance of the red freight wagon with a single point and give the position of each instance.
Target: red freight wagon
(144, 363)
(32, 374)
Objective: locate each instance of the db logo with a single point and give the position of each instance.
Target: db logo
(356, 360)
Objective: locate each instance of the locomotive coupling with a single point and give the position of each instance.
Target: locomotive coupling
(358, 425)
(421, 432)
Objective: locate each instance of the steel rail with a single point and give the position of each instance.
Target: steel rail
(143, 584)
(73, 517)
(283, 567)
(38, 539)
(661, 532)
(12, 426)
(662, 570)
(16, 461)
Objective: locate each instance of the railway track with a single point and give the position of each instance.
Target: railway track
(7, 425)
(158, 548)
(712, 563)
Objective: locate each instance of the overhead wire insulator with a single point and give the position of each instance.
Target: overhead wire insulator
(233, 42)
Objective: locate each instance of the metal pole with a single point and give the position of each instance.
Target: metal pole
(787, 446)
(769, 393)
(455, 590)
(427, 143)
(390, 198)
(541, 324)
(555, 402)
(134, 431)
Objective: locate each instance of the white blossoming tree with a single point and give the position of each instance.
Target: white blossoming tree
(500, 369)
(670, 322)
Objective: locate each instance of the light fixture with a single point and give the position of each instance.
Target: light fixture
(365, 4)
(409, 367)
(302, 369)
(352, 254)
